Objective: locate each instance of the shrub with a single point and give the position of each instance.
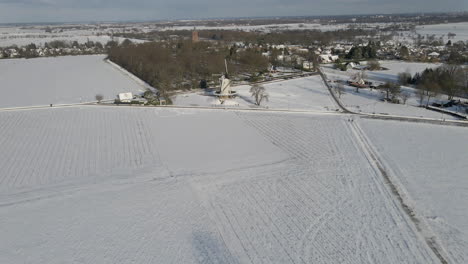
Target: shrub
(99, 97)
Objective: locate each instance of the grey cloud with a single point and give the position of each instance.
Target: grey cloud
(98, 10)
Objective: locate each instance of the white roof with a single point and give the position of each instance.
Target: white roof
(125, 96)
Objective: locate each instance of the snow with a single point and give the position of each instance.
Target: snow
(368, 101)
(309, 93)
(395, 67)
(460, 29)
(430, 161)
(10, 36)
(20, 40)
(61, 80)
(391, 74)
(278, 27)
(264, 28)
(109, 184)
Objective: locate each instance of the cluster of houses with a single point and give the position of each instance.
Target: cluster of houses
(389, 50)
(26, 52)
(300, 55)
(290, 54)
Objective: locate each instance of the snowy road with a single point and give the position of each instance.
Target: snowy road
(120, 185)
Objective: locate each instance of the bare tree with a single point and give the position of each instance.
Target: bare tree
(374, 65)
(99, 97)
(464, 81)
(429, 90)
(405, 96)
(420, 94)
(404, 77)
(259, 93)
(392, 90)
(433, 90)
(339, 89)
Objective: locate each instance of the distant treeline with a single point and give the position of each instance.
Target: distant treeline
(56, 48)
(431, 18)
(293, 37)
(176, 65)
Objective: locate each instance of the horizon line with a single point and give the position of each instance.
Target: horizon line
(226, 18)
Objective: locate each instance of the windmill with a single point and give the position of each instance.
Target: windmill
(225, 92)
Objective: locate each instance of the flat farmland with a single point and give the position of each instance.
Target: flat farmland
(60, 80)
(430, 163)
(118, 185)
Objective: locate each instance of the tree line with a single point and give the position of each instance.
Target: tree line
(57, 48)
(451, 80)
(292, 37)
(178, 65)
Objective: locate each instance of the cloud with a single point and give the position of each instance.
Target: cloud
(100, 10)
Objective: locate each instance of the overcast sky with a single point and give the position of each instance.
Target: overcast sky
(14, 11)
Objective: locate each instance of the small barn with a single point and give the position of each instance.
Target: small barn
(125, 97)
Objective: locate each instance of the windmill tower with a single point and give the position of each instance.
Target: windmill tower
(225, 92)
(225, 89)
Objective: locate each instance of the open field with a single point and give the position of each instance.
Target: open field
(19, 36)
(391, 72)
(441, 30)
(430, 161)
(117, 185)
(265, 28)
(60, 80)
(308, 93)
(368, 101)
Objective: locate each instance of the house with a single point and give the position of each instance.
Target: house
(285, 58)
(433, 54)
(13, 53)
(307, 65)
(125, 97)
(327, 58)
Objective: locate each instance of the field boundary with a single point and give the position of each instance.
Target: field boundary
(132, 76)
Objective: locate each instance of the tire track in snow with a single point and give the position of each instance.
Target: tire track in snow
(430, 240)
(366, 206)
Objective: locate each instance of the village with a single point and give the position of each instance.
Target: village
(337, 139)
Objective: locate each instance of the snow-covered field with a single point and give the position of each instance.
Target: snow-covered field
(391, 74)
(18, 36)
(40, 40)
(368, 101)
(264, 28)
(60, 80)
(460, 29)
(395, 67)
(308, 93)
(117, 185)
(431, 162)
